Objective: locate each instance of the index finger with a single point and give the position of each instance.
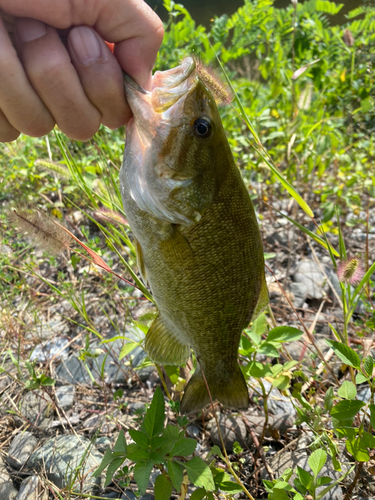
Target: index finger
(131, 24)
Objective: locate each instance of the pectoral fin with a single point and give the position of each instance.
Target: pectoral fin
(163, 347)
(140, 261)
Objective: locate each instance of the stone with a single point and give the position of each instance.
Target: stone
(232, 429)
(56, 348)
(7, 490)
(281, 237)
(278, 405)
(193, 431)
(364, 394)
(37, 407)
(136, 407)
(65, 396)
(21, 447)
(69, 461)
(32, 488)
(276, 425)
(299, 293)
(72, 371)
(103, 443)
(309, 281)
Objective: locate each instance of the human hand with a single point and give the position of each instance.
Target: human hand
(55, 67)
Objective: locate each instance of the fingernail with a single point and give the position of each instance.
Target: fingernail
(30, 29)
(86, 45)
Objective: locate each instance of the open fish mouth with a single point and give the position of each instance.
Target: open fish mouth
(168, 88)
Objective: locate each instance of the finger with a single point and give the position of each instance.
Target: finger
(131, 24)
(7, 132)
(48, 67)
(20, 104)
(100, 75)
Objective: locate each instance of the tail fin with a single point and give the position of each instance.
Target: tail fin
(232, 392)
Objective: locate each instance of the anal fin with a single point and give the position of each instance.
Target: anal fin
(163, 347)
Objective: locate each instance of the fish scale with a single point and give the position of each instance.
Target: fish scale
(206, 274)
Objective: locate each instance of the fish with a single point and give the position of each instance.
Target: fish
(195, 231)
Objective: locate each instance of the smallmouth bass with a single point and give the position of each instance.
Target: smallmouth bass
(196, 234)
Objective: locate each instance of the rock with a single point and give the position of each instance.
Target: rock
(276, 424)
(32, 488)
(65, 396)
(136, 407)
(37, 407)
(364, 394)
(7, 490)
(22, 445)
(5, 250)
(309, 281)
(103, 443)
(56, 348)
(72, 371)
(54, 327)
(232, 429)
(193, 431)
(299, 292)
(119, 372)
(60, 457)
(281, 237)
(278, 405)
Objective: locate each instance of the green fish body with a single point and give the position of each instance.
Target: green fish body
(197, 238)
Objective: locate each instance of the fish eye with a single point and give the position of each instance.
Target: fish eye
(202, 128)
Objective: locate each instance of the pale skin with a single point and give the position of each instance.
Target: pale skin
(55, 67)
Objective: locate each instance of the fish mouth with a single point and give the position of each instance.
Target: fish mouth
(169, 88)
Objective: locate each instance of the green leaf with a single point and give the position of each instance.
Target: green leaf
(372, 415)
(328, 399)
(358, 449)
(173, 373)
(120, 445)
(142, 471)
(346, 410)
(163, 488)
(368, 365)
(360, 378)
(140, 438)
(198, 494)
(284, 334)
(323, 480)
(175, 472)
(136, 453)
(283, 485)
(199, 473)
(305, 477)
(345, 353)
(184, 447)
(230, 486)
(215, 450)
(368, 440)
(268, 350)
(347, 390)
(259, 325)
(103, 464)
(153, 422)
(127, 349)
(278, 495)
(317, 460)
(259, 370)
(112, 468)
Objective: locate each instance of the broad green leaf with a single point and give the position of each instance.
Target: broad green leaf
(142, 471)
(278, 495)
(216, 451)
(163, 488)
(345, 353)
(304, 476)
(120, 445)
(112, 468)
(360, 378)
(317, 460)
(346, 410)
(136, 453)
(127, 349)
(328, 399)
(107, 459)
(368, 440)
(268, 350)
(184, 447)
(372, 415)
(230, 486)
(140, 438)
(153, 422)
(284, 334)
(358, 449)
(175, 472)
(259, 370)
(198, 494)
(368, 364)
(259, 325)
(347, 390)
(199, 473)
(323, 480)
(173, 373)
(283, 485)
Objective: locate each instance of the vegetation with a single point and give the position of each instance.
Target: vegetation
(303, 121)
